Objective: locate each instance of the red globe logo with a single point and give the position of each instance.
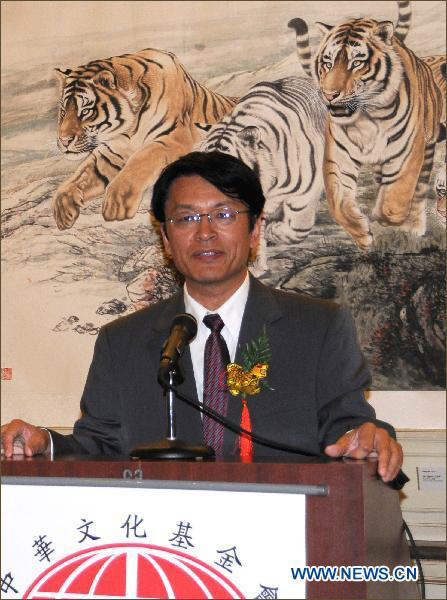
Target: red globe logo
(131, 571)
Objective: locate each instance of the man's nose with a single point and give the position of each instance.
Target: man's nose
(205, 228)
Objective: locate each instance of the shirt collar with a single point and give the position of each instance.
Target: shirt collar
(230, 312)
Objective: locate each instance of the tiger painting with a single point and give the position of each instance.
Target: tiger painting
(127, 116)
(277, 129)
(385, 109)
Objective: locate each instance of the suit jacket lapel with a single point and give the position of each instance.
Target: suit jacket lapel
(261, 309)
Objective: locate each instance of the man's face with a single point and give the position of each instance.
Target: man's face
(206, 254)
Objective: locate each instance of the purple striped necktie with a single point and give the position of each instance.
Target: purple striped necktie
(215, 393)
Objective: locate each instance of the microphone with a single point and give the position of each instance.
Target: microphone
(183, 330)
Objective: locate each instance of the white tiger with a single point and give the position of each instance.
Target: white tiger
(277, 129)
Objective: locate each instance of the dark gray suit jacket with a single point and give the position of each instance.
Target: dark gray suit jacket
(317, 371)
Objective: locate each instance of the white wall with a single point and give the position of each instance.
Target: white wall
(410, 409)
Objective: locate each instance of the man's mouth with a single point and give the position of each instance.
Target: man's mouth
(342, 110)
(207, 254)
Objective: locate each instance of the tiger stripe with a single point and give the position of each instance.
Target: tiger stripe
(404, 21)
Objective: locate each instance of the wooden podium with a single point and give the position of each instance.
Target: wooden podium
(356, 519)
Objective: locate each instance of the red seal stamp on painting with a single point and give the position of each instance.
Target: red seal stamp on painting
(6, 373)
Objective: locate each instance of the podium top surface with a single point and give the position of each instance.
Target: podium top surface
(313, 471)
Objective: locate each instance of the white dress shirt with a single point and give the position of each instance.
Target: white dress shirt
(231, 313)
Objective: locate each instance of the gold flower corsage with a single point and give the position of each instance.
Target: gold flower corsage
(248, 378)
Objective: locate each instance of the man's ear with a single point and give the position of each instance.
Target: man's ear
(255, 233)
(165, 240)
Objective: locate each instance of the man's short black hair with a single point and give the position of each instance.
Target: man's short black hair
(228, 174)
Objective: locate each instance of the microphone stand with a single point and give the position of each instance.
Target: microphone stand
(171, 447)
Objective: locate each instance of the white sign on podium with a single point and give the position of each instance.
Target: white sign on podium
(106, 540)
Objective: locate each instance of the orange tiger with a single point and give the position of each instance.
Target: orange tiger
(387, 109)
(128, 116)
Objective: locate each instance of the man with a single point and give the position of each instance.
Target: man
(210, 205)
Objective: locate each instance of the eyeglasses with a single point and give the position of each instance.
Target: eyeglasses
(221, 217)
